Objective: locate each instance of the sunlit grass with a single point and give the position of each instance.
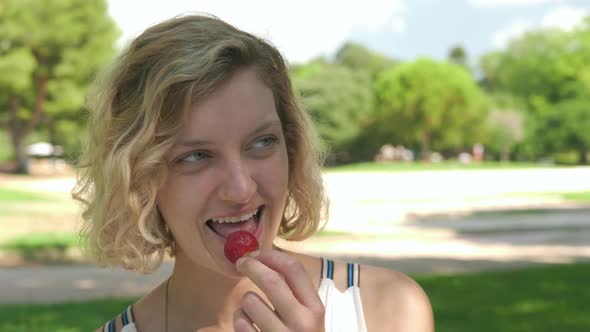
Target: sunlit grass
(43, 247)
(15, 195)
(24, 203)
(37, 241)
(328, 233)
(421, 166)
(583, 197)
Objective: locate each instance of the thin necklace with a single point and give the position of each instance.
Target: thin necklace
(166, 310)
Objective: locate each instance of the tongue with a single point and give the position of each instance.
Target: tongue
(225, 229)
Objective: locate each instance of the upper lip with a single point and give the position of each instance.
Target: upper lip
(237, 213)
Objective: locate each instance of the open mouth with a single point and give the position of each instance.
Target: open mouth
(227, 226)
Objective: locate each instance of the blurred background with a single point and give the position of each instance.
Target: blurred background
(457, 132)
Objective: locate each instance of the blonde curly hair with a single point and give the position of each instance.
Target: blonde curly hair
(136, 112)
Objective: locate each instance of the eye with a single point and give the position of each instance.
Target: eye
(194, 157)
(265, 142)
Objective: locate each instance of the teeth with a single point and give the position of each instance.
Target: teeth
(235, 219)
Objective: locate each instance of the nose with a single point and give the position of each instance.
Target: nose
(237, 186)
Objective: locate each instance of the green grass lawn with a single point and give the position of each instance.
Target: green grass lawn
(15, 195)
(582, 197)
(42, 247)
(63, 317)
(420, 166)
(36, 241)
(16, 202)
(554, 298)
(329, 233)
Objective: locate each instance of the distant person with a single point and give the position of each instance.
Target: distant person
(194, 134)
(478, 152)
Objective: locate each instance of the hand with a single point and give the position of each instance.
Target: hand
(282, 278)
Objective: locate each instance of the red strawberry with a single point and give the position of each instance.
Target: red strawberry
(239, 243)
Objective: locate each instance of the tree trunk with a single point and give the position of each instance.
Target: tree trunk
(51, 129)
(39, 103)
(22, 162)
(583, 156)
(52, 139)
(426, 147)
(505, 154)
(19, 133)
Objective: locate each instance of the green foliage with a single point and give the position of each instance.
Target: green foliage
(338, 100)
(5, 148)
(16, 67)
(549, 70)
(338, 94)
(458, 55)
(565, 158)
(535, 65)
(70, 133)
(434, 105)
(49, 52)
(358, 58)
(554, 298)
(506, 129)
(566, 125)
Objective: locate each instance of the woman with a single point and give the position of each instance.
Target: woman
(195, 133)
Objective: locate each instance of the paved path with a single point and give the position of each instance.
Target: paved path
(365, 202)
(480, 242)
(388, 212)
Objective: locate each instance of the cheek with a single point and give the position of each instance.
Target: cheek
(275, 175)
(178, 199)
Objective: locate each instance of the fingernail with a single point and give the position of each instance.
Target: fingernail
(240, 261)
(253, 254)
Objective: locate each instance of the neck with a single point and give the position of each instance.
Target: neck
(199, 297)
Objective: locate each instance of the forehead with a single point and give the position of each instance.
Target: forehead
(235, 107)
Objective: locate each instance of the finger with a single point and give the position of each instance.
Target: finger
(295, 276)
(242, 323)
(274, 287)
(261, 313)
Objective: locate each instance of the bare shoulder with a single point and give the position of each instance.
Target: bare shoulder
(135, 313)
(392, 301)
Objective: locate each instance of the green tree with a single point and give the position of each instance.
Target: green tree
(566, 126)
(506, 130)
(430, 104)
(536, 65)
(458, 55)
(338, 99)
(545, 68)
(359, 58)
(49, 51)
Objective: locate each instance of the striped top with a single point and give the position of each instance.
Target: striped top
(126, 320)
(344, 310)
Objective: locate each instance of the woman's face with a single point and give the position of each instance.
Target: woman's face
(230, 163)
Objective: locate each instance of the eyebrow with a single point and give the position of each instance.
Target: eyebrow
(262, 127)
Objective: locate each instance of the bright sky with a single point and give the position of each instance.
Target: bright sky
(403, 29)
